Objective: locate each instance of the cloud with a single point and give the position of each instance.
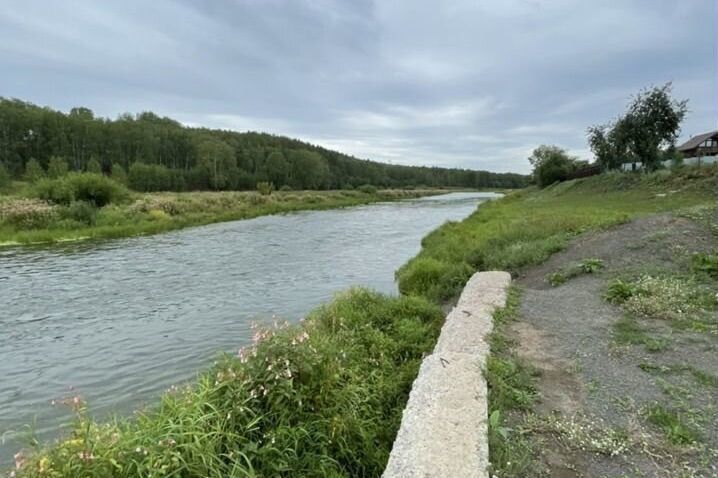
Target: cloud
(466, 83)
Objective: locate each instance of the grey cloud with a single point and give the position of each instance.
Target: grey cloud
(467, 83)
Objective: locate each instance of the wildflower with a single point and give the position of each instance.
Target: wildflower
(86, 456)
(19, 460)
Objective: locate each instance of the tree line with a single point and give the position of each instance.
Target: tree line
(153, 153)
(645, 134)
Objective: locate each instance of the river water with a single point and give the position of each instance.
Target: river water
(120, 321)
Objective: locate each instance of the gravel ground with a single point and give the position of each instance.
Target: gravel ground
(566, 333)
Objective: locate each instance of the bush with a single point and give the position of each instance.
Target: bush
(27, 213)
(154, 177)
(285, 188)
(80, 211)
(265, 188)
(118, 173)
(93, 166)
(367, 189)
(89, 187)
(33, 170)
(57, 167)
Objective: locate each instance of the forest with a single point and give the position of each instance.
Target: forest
(153, 153)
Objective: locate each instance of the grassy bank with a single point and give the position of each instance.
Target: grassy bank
(320, 399)
(29, 221)
(528, 226)
(523, 230)
(324, 398)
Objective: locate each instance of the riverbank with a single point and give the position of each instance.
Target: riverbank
(152, 213)
(532, 372)
(325, 398)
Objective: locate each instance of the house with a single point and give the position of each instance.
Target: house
(705, 144)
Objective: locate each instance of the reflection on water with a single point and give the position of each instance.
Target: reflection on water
(122, 320)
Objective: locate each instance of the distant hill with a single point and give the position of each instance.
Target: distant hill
(157, 153)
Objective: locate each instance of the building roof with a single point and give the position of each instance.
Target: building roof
(696, 140)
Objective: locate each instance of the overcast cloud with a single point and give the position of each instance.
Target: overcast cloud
(465, 83)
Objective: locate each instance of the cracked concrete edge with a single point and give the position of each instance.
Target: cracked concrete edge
(444, 427)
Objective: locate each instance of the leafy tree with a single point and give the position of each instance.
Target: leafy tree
(93, 166)
(651, 123)
(277, 168)
(33, 170)
(4, 176)
(216, 158)
(56, 167)
(118, 173)
(551, 163)
(310, 170)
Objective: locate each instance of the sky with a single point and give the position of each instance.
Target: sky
(457, 83)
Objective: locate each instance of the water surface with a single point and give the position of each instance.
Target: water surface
(120, 321)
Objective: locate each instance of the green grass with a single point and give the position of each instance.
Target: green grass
(526, 227)
(512, 389)
(325, 398)
(674, 425)
(628, 331)
(160, 212)
(321, 399)
(586, 266)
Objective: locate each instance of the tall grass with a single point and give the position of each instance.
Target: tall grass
(323, 398)
(159, 212)
(526, 227)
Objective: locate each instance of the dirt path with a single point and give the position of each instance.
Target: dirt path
(620, 396)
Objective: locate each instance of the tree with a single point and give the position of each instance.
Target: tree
(93, 166)
(118, 173)
(216, 158)
(551, 163)
(309, 169)
(33, 170)
(4, 176)
(651, 124)
(277, 168)
(56, 167)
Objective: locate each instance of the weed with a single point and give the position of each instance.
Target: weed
(677, 429)
(627, 331)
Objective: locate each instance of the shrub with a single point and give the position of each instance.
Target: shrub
(285, 187)
(158, 215)
(367, 189)
(80, 211)
(706, 263)
(27, 213)
(619, 291)
(154, 177)
(265, 188)
(57, 167)
(93, 166)
(118, 173)
(33, 170)
(89, 187)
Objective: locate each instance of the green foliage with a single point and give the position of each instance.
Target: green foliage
(34, 171)
(651, 122)
(153, 177)
(675, 425)
(4, 177)
(586, 266)
(265, 188)
(367, 189)
(201, 159)
(705, 263)
(118, 173)
(551, 164)
(93, 166)
(81, 211)
(321, 399)
(56, 167)
(619, 291)
(89, 187)
(285, 188)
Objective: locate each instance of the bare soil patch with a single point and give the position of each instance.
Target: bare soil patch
(605, 408)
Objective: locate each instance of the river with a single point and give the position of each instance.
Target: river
(120, 321)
